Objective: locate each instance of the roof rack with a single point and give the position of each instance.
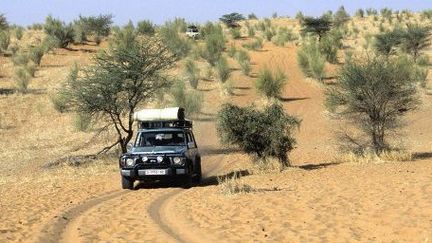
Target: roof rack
(165, 124)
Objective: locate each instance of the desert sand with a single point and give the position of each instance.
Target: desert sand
(319, 199)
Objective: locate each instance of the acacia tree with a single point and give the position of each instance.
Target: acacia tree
(3, 22)
(319, 26)
(374, 94)
(231, 19)
(386, 43)
(120, 80)
(415, 39)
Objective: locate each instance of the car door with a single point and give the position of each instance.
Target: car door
(192, 147)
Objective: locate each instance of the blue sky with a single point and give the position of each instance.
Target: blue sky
(25, 12)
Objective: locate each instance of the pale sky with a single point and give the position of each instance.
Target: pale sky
(26, 12)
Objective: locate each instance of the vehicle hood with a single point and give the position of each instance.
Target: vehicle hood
(159, 150)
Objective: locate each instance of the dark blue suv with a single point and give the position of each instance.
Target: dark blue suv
(163, 151)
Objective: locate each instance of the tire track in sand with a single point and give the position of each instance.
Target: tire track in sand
(64, 228)
(160, 213)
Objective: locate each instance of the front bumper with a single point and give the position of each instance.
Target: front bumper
(150, 173)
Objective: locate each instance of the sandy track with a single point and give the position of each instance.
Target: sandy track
(64, 228)
(102, 218)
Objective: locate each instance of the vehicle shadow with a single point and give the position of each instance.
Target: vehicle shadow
(213, 180)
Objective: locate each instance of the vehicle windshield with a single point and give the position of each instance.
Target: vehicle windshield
(160, 138)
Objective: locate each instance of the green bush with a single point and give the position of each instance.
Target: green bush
(79, 33)
(269, 34)
(22, 79)
(330, 45)
(97, 26)
(251, 31)
(232, 50)
(243, 59)
(191, 100)
(214, 46)
(192, 73)
(311, 60)
(60, 31)
(20, 59)
(264, 134)
(270, 84)
(145, 27)
(4, 41)
(36, 53)
(31, 69)
(124, 37)
(235, 33)
(223, 69)
(415, 39)
(284, 35)
(252, 16)
(255, 45)
(19, 32)
(60, 102)
(176, 43)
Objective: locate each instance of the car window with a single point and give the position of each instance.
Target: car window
(190, 139)
(162, 138)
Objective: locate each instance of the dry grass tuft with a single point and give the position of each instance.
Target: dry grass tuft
(271, 166)
(390, 156)
(230, 185)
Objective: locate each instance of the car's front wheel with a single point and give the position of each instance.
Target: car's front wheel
(198, 173)
(127, 183)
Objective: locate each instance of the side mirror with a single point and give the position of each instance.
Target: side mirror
(191, 145)
(129, 147)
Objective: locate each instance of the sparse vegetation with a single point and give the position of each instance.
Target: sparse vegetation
(264, 134)
(270, 84)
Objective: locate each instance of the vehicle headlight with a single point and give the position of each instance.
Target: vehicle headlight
(130, 162)
(159, 159)
(144, 159)
(178, 160)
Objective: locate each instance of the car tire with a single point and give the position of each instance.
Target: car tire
(187, 182)
(198, 173)
(127, 183)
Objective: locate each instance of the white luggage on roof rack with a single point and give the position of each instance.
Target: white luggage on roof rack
(166, 114)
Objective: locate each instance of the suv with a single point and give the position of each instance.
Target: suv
(163, 150)
(192, 32)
